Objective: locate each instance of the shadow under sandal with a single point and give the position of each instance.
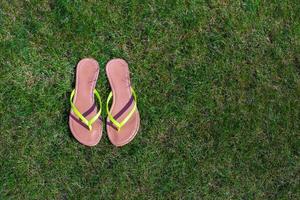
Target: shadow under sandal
(123, 119)
(84, 119)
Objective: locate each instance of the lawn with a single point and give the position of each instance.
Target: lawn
(218, 85)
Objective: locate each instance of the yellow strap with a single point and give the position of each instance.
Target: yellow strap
(119, 125)
(90, 122)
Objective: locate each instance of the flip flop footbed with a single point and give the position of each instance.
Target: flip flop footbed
(123, 102)
(86, 77)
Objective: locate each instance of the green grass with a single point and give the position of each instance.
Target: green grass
(218, 84)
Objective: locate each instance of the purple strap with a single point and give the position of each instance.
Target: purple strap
(121, 112)
(86, 113)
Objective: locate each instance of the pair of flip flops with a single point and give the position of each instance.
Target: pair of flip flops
(85, 120)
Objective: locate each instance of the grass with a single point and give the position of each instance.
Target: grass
(218, 85)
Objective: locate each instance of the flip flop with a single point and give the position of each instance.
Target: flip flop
(123, 119)
(84, 119)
